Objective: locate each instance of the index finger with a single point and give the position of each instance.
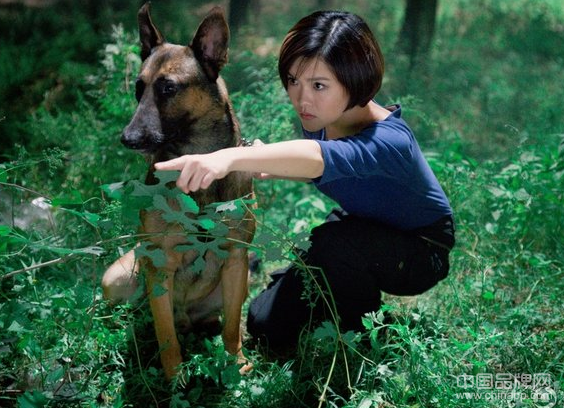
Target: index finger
(174, 164)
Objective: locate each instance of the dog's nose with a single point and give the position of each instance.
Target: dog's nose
(131, 139)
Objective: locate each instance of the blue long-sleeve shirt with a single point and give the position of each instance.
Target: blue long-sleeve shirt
(380, 173)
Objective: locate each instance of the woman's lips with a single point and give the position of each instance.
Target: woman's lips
(307, 116)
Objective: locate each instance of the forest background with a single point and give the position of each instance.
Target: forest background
(481, 85)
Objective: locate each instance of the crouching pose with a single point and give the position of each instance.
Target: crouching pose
(394, 229)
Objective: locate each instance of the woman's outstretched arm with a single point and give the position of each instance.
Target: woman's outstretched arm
(295, 159)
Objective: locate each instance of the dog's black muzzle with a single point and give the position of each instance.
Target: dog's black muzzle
(133, 140)
(137, 139)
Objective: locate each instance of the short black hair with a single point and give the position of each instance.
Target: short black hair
(345, 43)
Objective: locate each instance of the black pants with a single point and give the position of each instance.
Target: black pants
(359, 258)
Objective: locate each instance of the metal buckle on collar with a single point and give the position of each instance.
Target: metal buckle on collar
(245, 142)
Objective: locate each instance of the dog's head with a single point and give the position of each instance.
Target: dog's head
(178, 86)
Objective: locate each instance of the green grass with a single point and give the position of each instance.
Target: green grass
(486, 109)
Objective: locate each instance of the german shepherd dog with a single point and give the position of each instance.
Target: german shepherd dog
(184, 109)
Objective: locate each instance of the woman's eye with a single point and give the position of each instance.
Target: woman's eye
(318, 86)
(292, 80)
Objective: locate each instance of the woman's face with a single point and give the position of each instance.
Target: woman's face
(317, 96)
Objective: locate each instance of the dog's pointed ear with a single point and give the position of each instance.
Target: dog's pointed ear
(149, 35)
(210, 44)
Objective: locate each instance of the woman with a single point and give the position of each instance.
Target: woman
(395, 230)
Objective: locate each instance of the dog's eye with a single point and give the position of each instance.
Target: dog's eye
(139, 89)
(167, 88)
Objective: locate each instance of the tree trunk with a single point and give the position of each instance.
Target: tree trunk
(418, 28)
(239, 13)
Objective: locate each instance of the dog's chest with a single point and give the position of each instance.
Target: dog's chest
(197, 294)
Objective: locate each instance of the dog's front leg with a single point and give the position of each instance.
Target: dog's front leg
(163, 318)
(234, 276)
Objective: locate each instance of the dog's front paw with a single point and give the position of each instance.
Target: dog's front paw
(240, 359)
(247, 366)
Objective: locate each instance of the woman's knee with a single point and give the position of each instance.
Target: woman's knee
(427, 267)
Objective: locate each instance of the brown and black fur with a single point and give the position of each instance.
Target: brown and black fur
(183, 109)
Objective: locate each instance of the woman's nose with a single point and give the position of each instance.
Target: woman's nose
(304, 98)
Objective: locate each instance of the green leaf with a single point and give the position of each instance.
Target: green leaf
(184, 247)
(55, 375)
(141, 189)
(273, 253)
(69, 199)
(160, 203)
(207, 224)
(166, 177)
(236, 208)
(226, 206)
(173, 216)
(230, 375)
(301, 240)
(158, 290)
(89, 217)
(214, 246)
(156, 255)
(195, 392)
(462, 346)
(220, 229)
(114, 190)
(35, 399)
(491, 228)
(83, 296)
(496, 191)
(199, 264)
(365, 403)
(178, 401)
(5, 230)
(326, 331)
(266, 239)
(488, 295)
(188, 204)
(350, 338)
(17, 328)
(522, 195)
